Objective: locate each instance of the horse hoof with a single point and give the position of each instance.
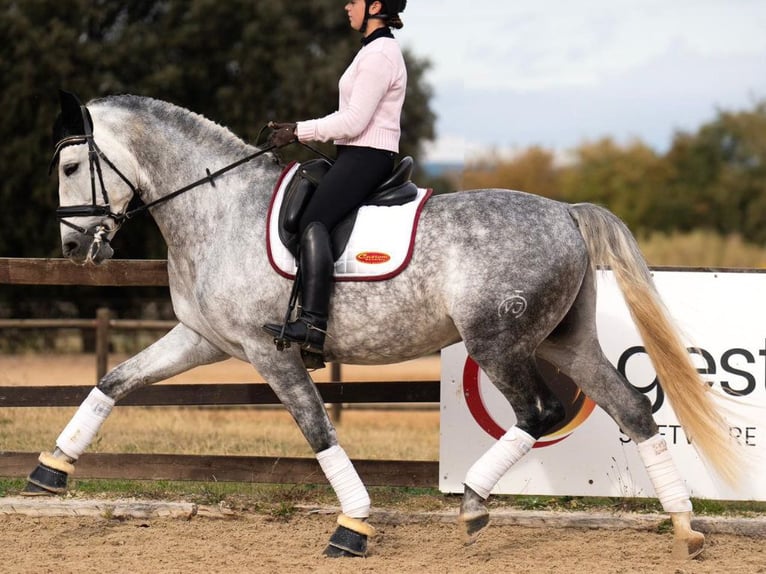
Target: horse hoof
(345, 543)
(474, 524)
(49, 477)
(689, 547)
(31, 489)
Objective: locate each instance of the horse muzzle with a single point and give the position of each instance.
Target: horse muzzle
(92, 247)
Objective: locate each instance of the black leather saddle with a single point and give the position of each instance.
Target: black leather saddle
(396, 190)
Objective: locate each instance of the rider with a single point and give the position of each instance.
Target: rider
(365, 130)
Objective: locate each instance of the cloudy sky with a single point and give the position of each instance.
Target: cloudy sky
(508, 74)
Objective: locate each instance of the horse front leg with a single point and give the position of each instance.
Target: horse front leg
(293, 386)
(178, 351)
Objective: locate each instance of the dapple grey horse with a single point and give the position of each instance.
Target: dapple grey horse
(473, 250)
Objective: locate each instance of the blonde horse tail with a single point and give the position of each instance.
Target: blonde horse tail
(610, 243)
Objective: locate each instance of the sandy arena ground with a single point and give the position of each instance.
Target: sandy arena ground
(261, 544)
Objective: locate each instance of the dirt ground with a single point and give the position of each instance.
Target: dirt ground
(261, 544)
(255, 543)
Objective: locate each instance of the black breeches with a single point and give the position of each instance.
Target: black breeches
(356, 173)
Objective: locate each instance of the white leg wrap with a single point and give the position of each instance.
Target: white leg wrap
(353, 496)
(84, 426)
(667, 482)
(490, 468)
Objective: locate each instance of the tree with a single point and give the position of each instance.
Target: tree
(629, 180)
(533, 170)
(721, 171)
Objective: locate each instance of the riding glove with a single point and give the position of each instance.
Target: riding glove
(283, 133)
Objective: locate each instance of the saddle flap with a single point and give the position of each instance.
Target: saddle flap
(299, 192)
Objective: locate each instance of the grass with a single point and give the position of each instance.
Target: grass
(369, 434)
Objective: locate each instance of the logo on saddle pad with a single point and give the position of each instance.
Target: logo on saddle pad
(379, 246)
(373, 257)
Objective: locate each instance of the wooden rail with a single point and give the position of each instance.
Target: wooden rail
(115, 272)
(135, 273)
(103, 324)
(226, 394)
(282, 470)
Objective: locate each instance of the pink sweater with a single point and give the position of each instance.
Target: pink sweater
(371, 98)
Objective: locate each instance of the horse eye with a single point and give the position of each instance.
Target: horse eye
(69, 169)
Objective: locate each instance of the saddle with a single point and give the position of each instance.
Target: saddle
(398, 189)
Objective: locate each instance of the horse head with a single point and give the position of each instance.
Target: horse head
(95, 186)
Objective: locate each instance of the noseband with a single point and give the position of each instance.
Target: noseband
(94, 209)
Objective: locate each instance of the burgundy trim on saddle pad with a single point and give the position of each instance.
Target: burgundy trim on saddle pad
(268, 220)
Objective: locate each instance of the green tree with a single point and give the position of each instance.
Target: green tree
(240, 63)
(629, 180)
(721, 173)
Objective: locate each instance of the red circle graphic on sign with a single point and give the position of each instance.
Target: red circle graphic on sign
(578, 407)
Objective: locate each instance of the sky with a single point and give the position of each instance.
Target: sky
(510, 74)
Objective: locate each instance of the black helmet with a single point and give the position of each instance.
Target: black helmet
(389, 14)
(394, 6)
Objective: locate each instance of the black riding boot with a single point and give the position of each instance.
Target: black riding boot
(309, 328)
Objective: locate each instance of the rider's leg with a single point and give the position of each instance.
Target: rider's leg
(316, 283)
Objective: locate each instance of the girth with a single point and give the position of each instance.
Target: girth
(396, 190)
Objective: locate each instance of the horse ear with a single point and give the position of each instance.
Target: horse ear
(70, 121)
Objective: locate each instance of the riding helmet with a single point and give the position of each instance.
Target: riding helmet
(390, 12)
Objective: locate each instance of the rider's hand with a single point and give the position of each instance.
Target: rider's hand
(283, 133)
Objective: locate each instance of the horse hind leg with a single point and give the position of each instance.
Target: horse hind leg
(574, 349)
(537, 411)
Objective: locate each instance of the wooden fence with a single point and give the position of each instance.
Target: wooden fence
(135, 273)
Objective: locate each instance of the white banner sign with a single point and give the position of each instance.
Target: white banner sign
(721, 315)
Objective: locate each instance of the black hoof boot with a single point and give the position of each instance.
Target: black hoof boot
(49, 477)
(350, 538)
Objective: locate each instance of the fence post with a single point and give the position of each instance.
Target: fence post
(102, 341)
(337, 408)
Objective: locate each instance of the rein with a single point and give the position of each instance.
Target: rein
(95, 155)
(209, 178)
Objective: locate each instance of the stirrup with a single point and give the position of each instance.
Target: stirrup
(283, 340)
(280, 341)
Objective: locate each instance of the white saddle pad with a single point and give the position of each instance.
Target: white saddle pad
(380, 245)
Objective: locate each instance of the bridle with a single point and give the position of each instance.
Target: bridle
(94, 209)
